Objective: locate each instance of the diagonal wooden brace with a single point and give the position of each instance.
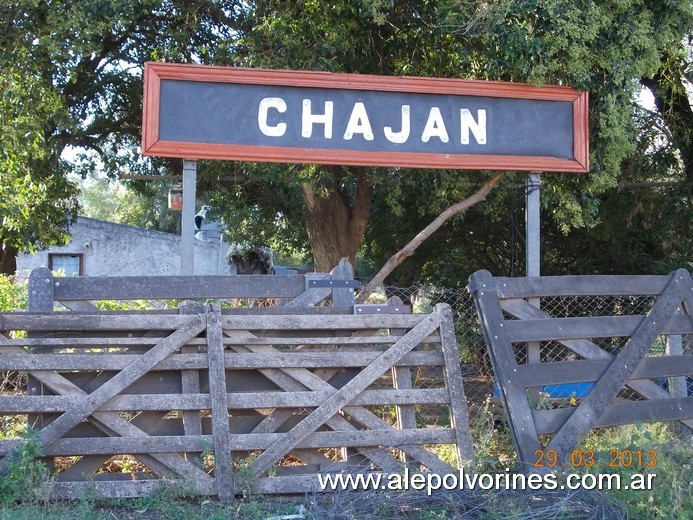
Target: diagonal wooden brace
(299, 379)
(223, 470)
(91, 402)
(343, 396)
(624, 364)
(589, 350)
(111, 423)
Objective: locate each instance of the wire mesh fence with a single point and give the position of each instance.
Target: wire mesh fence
(478, 374)
(476, 366)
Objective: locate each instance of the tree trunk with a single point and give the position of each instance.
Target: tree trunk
(673, 104)
(8, 260)
(409, 249)
(336, 224)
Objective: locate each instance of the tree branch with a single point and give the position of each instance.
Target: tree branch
(409, 249)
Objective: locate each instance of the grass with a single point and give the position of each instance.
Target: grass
(670, 497)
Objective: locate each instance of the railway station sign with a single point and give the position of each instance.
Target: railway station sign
(207, 112)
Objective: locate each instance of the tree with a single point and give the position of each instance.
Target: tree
(71, 76)
(86, 56)
(425, 233)
(36, 200)
(116, 202)
(393, 38)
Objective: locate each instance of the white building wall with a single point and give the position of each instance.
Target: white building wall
(110, 249)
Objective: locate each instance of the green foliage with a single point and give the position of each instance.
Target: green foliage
(672, 494)
(13, 295)
(116, 202)
(36, 199)
(72, 77)
(25, 474)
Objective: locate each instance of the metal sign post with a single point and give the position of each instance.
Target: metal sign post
(187, 227)
(533, 257)
(532, 224)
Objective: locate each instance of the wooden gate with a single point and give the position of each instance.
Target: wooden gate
(219, 403)
(614, 352)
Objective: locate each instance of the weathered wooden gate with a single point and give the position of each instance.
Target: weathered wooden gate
(616, 352)
(220, 403)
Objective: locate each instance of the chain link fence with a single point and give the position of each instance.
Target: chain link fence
(476, 366)
(478, 374)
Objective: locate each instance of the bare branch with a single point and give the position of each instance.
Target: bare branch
(409, 249)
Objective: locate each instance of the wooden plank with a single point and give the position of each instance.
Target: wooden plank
(580, 285)
(591, 351)
(300, 379)
(556, 329)
(127, 489)
(40, 290)
(401, 379)
(621, 368)
(40, 299)
(356, 438)
(330, 322)
(317, 397)
(343, 297)
(580, 371)
(513, 395)
(317, 359)
(343, 396)
(302, 339)
(223, 469)
(286, 311)
(304, 359)
(152, 444)
(455, 386)
(122, 380)
(83, 342)
(676, 409)
(236, 401)
(148, 444)
(190, 379)
(183, 287)
(64, 321)
(678, 386)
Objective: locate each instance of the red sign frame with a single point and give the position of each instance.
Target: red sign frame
(153, 145)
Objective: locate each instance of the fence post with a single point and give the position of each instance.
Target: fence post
(343, 297)
(41, 299)
(223, 458)
(41, 290)
(677, 385)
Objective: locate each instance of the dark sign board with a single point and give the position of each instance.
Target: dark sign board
(204, 112)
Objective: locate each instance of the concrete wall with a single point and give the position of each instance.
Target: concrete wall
(110, 249)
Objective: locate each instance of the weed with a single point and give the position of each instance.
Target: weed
(492, 443)
(244, 478)
(25, 476)
(672, 493)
